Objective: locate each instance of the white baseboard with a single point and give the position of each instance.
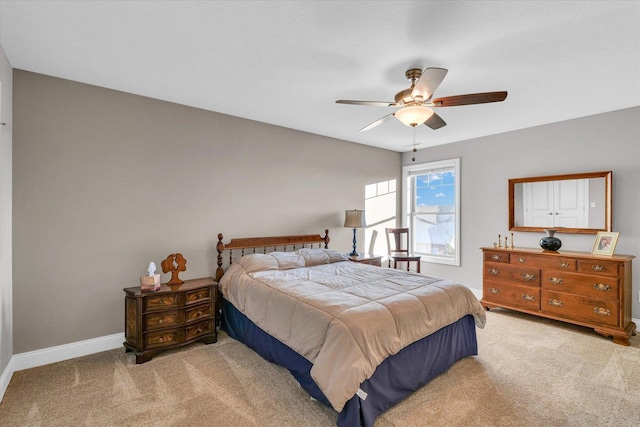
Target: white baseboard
(58, 353)
(6, 377)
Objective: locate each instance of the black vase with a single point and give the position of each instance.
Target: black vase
(550, 243)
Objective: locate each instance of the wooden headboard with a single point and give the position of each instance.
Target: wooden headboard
(284, 243)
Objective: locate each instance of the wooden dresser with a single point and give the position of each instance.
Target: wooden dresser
(574, 287)
(170, 317)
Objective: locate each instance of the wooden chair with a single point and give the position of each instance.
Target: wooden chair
(398, 245)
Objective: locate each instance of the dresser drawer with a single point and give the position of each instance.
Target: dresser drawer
(506, 273)
(496, 256)
(161, 302)
(601, 267)
(200, 295)
(164, 319)
(515, 295)
(602, 287)
(164, 338)
(579, 307)
(198, 330)
(199, 312)
(544, 261)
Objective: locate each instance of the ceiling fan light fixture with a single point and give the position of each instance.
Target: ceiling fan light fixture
(414, 115)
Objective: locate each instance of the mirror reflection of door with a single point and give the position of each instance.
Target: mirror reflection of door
(556, 203)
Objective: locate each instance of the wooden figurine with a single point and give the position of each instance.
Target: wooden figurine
(175, 263)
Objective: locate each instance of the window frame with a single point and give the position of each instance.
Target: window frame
(409, 171)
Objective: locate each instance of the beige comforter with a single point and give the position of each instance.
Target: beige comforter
(342, 316)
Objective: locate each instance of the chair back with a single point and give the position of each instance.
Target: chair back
(397, 241)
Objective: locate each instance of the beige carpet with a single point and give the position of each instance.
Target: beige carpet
(530, 372)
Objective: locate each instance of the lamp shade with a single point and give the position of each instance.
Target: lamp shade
(414, 116)
(354, 219)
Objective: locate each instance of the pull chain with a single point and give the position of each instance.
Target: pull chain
(413, 159)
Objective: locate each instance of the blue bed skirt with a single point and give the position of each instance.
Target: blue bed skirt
(394, 379)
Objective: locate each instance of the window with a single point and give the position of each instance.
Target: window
(430, 208)
(380, 203)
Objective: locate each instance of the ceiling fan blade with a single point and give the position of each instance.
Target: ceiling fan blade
(473, 98)
(377, 122)
(371, 103)
(428, 82)
(435, 122)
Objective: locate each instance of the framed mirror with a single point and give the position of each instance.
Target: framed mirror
(575, 203)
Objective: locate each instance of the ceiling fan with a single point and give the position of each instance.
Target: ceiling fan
(416, 105)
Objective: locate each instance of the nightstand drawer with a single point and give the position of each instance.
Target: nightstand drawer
(199, 312)
(198, 330)
(161, 302)
(198, 296)
(163, 338)
(162, 320)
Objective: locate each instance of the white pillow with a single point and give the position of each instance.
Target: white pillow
(288, 260)
(321, 256)
(258, 262)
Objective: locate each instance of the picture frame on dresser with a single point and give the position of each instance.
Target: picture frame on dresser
(605, 243)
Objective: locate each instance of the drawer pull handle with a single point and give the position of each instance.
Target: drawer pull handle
(521, 259)
(601, 287)
(564, 264)
(494, 291)
(161, 302)
(602, 311)
(199, 313)
(597, 267)
(528, 277)
(494, 271)
(496, 257)
(556, 303)
(161, 339)
(161, 321)
(528, 297)
(555, 280)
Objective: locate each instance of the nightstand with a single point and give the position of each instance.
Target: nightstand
(170, 317)
(368, 259)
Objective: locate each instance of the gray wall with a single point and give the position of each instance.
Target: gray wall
(589, 144)
(6, 314)
(106, 181)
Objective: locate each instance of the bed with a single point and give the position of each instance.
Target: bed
(358, 338)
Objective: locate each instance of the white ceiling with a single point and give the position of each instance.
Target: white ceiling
(286, 62)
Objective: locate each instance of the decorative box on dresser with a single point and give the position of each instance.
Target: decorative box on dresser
(574, 287)
(170, 317)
